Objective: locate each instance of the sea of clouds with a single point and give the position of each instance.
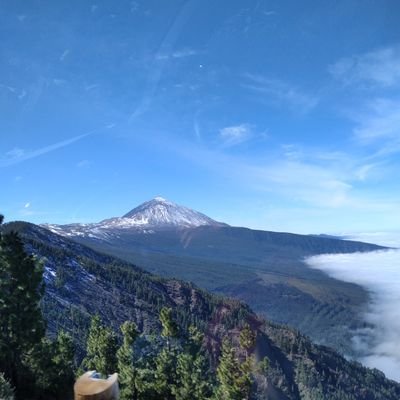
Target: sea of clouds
(379, 273)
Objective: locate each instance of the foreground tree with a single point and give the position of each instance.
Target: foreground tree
(247, 339)
(169, 326)
(126, 366)
(192, 377)
(52, 363)
(21, 322)
(6, 390)
(35, 366)
(228, 374)
(101, 349)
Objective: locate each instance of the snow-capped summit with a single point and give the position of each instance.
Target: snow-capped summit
(160, 212)
(156, 214)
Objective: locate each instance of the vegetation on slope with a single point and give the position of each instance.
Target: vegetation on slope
(264, 269)
(80, 282)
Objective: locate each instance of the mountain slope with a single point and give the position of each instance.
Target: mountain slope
(265, 269)
(156, 214)
(81, 282)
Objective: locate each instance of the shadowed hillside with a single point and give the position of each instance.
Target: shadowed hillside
(81, 282)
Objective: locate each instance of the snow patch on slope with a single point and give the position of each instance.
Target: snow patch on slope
(150, 216)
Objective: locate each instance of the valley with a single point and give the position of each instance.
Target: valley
(264, 269)
(81, 282)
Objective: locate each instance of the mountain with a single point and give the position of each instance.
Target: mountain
(264, 269)
(81, 282)
(156, 214)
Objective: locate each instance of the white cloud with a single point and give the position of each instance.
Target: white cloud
(183, 53)
(301, 182)
(380, 121)
(232, 135)
(379, 273)
(269, 13)
(18, 155)
(83, 164)
(20, 93)
(64, 55)
(280, 92)
(364, 171)
(377, 68)
(27, 205)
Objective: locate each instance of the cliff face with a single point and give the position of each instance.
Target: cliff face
(81, 282)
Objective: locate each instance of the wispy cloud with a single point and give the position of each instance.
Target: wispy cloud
(236, 134)
(20, 93)
(377, 68)
(18, 155)
(269, 13)
(83, 164)
(176, 54)
(280, 92)
(64, 55)
(157, 66)
(380, 121)
(312, 178)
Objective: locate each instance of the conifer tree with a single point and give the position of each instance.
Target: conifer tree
(21, 322)
(165, 373)
(52, 363)
(247, 339)
(6, 390)
(192, 380)
(126, 368)
(101, 348)
(169, 326)
(228, 374)
(64, 363)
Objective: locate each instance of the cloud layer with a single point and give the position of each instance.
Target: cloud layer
(379, 273)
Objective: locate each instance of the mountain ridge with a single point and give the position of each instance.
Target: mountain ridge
(155, 214)
(298, 369)
(264, 269)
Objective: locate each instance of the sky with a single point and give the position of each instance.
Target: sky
(277, 115)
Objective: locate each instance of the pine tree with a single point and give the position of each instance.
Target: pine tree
(101, 348)
(52, 364)
(6, 390)
(228, 374)
(192, 380)
(169, 326)
(21, 322)
(126, 368)
(165, 373)
(247, 339)
(64, 363)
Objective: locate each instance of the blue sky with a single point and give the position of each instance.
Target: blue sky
(279, 115)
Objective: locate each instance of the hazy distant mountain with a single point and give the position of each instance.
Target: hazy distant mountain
(265, 269)
(81, 282)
